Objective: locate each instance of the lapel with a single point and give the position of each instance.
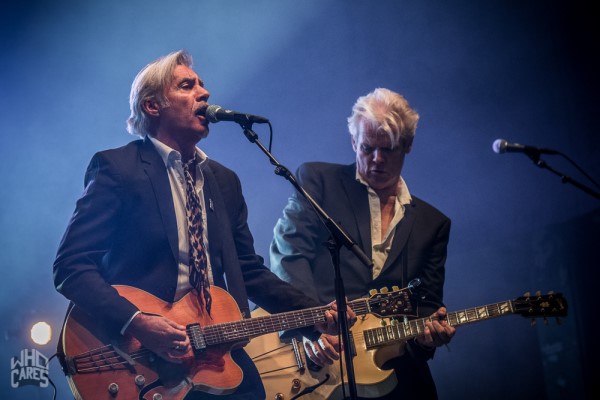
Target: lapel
(401, 235)
(154, 167)
(211, 218)
(358, 199)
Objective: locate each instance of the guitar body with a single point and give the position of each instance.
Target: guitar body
(107, 365)
(285, 376)
(281, 375)
(104, 365)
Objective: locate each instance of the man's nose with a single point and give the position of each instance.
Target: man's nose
(378, 156)
(203, 94)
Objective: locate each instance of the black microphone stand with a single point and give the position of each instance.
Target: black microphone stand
(535, 157)
(338, 239)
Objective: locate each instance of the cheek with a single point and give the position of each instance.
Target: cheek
(362, 163)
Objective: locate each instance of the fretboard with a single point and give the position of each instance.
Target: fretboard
(403, 331)
(251, 327)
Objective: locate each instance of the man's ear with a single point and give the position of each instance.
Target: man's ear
(151, 107)
(353, 143)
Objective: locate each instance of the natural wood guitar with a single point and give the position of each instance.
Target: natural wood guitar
(106, 365)
(283, 366)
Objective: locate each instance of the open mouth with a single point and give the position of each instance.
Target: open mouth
(201, 111)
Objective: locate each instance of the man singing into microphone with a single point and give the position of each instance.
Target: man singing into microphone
(157, 214)
(405, 237)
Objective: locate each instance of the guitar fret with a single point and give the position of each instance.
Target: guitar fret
(419, 328)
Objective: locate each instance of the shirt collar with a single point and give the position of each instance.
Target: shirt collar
(170, 155)
(402, 193)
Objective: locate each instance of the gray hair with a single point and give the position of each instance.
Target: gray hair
(150, 84)
(386, 112)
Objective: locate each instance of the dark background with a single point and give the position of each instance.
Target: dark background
(526, 71)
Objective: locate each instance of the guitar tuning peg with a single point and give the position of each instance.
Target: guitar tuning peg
(383, 290)
(551, 292)
(394, 322)
(527, 294)
(395, 288)
(538, 293)
(373, 292)
(383, 322)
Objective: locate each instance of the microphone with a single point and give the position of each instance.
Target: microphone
(215, 113)
(502, 146)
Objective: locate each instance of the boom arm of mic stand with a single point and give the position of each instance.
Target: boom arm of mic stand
(564, 178)
(339, 235)
(338, 238)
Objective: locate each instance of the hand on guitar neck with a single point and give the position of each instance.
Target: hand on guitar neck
(330, 325)
(437, 332)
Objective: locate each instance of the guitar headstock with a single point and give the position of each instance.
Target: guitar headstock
(386, 303)
(538, 305)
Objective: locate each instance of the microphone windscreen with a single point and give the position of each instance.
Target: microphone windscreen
(499, 146)
(211, 113)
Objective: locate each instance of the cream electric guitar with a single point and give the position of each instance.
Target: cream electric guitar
(286, 375)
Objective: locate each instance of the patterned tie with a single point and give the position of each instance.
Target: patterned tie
(198, 266)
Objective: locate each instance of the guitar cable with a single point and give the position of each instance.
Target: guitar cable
(48, 376)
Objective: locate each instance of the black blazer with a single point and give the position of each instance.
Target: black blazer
(299, 256)
(124, 231)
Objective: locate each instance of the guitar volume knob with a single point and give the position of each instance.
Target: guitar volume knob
(113, 389)
(140, 380)
(295, 385)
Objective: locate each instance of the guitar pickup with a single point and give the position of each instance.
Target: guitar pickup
(197, 339)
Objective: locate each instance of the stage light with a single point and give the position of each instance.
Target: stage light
(41, 333)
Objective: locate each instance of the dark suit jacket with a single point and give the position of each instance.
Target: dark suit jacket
(124, 231)
(299, 256)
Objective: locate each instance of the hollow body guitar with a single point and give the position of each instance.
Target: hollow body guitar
(285, 373)
(103, 365)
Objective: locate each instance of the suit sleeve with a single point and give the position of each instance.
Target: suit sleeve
(297, 236)
(77, 268)
(432, 275)
(263, 287)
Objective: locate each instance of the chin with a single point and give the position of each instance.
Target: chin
(203, 134)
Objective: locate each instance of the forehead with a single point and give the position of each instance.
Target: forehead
(369, 135)
(182, 72)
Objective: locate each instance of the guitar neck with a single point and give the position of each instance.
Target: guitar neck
(404, 331)
(251, 327)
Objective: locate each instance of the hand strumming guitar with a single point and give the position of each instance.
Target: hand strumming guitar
(161, 335)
